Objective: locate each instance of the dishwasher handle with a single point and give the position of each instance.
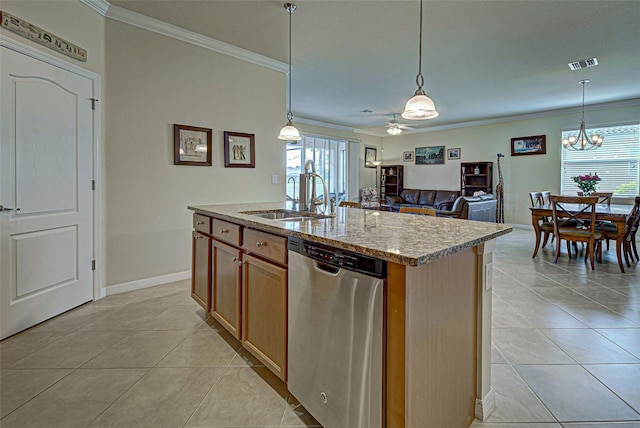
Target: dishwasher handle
(326, 268)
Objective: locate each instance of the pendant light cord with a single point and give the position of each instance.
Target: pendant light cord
(289, 114)
(419, 77)
(583, 83)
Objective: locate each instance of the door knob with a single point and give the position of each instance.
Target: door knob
(8, 209)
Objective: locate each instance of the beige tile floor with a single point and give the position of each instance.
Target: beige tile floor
(566, 353)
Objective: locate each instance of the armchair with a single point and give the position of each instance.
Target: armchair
(369, 197)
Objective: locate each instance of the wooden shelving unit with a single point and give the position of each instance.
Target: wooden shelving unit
(391, 180)
(475, 176)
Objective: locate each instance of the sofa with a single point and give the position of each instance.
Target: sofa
(419, 198)
(480, 208)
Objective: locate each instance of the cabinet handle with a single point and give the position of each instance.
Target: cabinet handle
(261, 244)
(238, 261)
(199, 237)
(199, 223)
(223, 231)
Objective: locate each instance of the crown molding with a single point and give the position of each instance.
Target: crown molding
(334, 126)
(141, 21)
(100, 6)
(537, 115)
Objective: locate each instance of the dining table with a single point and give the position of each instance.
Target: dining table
(614, 213)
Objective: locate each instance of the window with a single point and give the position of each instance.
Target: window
(331, 159)
(616, 162)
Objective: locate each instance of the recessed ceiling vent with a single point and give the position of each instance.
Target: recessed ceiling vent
(583, 63)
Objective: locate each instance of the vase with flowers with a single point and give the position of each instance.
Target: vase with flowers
(587, 183)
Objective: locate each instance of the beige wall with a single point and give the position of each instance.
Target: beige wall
(154, 82)
(521, 174)
(68, 19)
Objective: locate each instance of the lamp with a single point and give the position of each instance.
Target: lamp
(581, 141)
(376, 164)
(289, 132)
(420, 107)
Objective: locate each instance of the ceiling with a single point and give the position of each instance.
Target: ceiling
(482, 60)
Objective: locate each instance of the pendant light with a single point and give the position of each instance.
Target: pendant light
(420, 107)
(581, 141)
(289, 132)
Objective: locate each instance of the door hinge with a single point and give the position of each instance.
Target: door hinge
(93, 184)
(93, 265)
(93, 103)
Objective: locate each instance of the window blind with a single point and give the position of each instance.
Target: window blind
(615, 162)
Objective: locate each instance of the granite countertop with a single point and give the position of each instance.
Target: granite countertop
(405, 239)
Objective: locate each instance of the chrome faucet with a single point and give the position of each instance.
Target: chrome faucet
(309, 202)
(294, 188)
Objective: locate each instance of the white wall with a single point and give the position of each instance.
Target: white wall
(154, 82)
(522, 174)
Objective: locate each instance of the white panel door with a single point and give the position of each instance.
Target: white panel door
(46, 169)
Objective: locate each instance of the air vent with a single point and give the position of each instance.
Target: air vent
(583, 63)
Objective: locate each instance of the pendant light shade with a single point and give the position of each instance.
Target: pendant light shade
(289, 132)
(420, 107)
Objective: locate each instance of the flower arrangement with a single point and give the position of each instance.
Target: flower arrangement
(587, 183)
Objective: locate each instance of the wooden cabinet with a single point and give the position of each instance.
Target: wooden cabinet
(201, 269)
(264, 307)
(227, 286)
(240, 277)
(391, 180)
(476, 176)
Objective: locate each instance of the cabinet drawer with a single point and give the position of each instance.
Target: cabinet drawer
(227, 232)
(202, 223)
(269, 246)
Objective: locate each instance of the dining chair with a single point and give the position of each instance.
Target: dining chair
(419, 211)
(546, 227)
(576, 225)
(603, 197)
(629, 239)
(350, 204)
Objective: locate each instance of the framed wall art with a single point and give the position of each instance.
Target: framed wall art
(454, 154)
(534, 145)
(239, 150)
(407, 156)
(433, 155)
(370, 156)
(191, 145)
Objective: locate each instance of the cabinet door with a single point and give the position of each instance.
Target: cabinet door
(201, 269)
(264, 328)
(225, 306)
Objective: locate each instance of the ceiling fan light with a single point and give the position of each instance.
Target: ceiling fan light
(420, 107)
(394, 130)
(289, 133)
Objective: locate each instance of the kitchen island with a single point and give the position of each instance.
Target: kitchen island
(437, 298)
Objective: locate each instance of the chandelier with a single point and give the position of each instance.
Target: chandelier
(581, 141)
(289, 132)
(420, 107)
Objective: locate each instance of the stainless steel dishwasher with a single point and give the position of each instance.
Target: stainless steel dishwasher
(336, 334)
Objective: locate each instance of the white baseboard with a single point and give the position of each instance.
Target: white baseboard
(485, 405)
(147, 282)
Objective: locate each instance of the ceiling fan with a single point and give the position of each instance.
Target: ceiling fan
(395, 128)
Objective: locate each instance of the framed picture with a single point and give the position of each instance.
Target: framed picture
(370, 156)
(454, 154)
(430, 155)
(239, 150)
(191, 145)
(407, 156)
(534, 145)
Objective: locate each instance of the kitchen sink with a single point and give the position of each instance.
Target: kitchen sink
(286, 215)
